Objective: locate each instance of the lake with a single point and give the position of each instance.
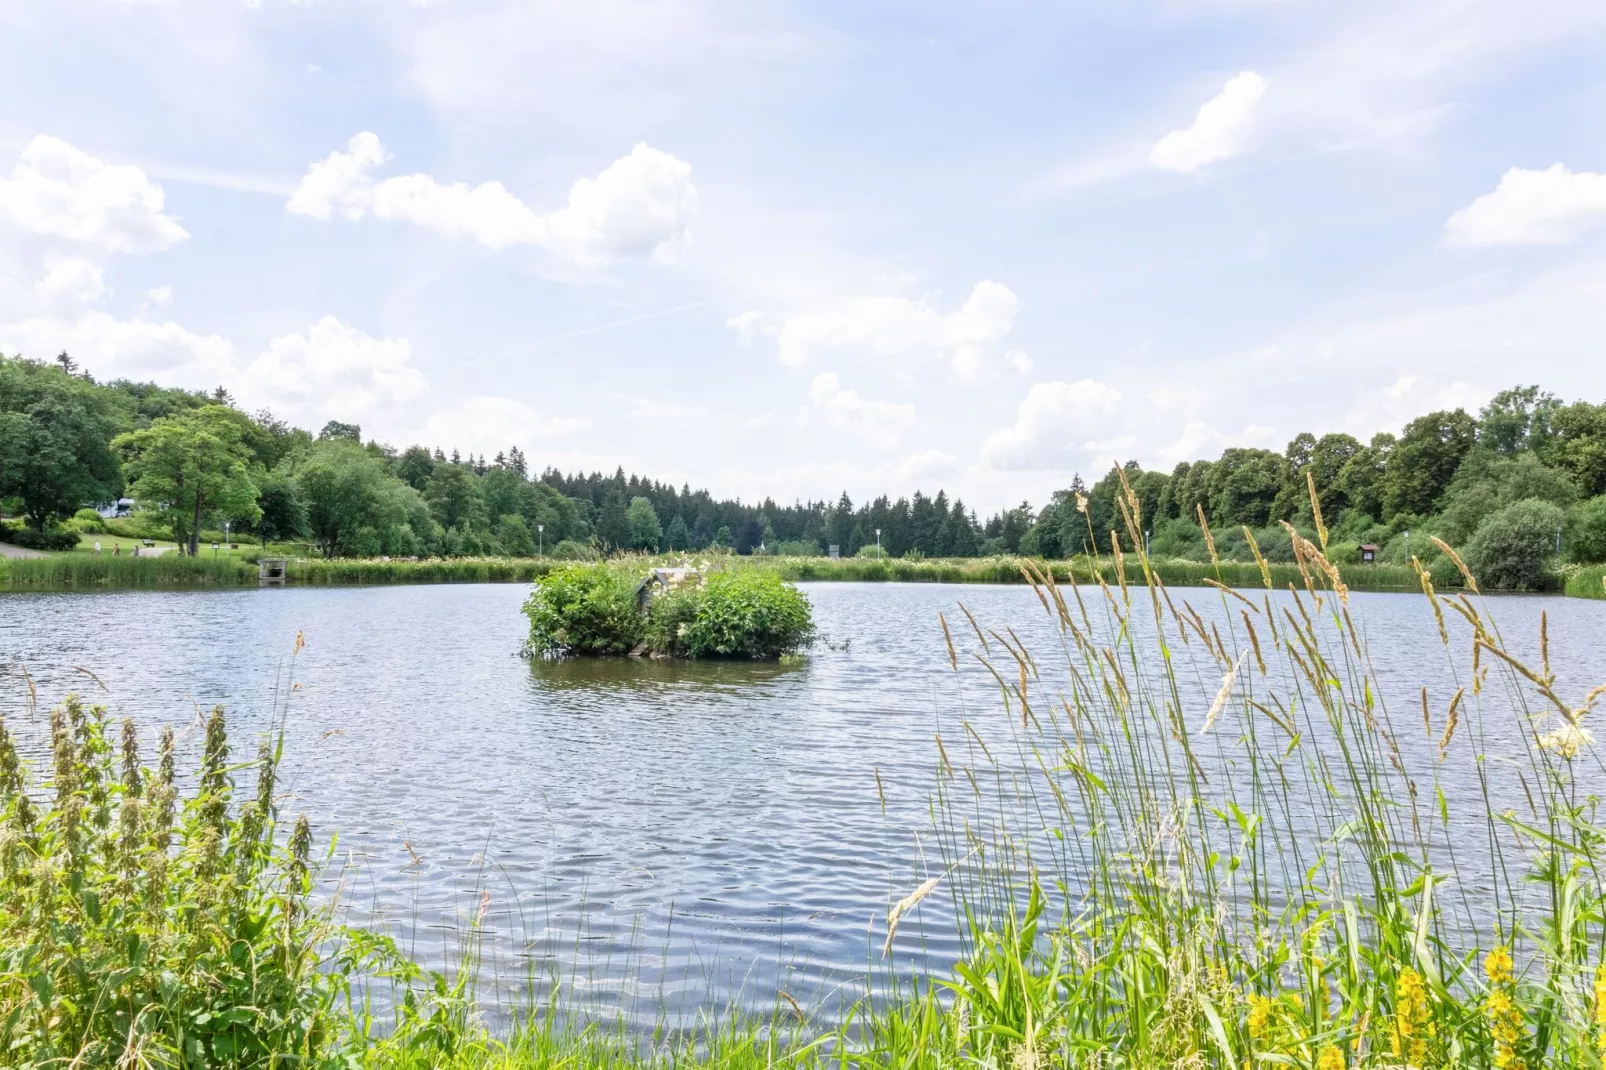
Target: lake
(659, 834)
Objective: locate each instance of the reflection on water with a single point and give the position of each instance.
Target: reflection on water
(665, 676)
(658, 832)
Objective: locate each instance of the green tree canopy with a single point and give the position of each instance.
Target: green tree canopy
(356, 508)
(192, 467)
(453, 494)
(55, 435)
(1424, 460)
(645, 530)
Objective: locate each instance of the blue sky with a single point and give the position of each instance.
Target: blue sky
(789, 249)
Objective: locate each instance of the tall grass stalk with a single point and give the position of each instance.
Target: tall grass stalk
(1216, 844)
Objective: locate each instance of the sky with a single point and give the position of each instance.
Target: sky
(791, 249)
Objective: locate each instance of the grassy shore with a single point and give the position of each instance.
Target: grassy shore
(1588, 582)
(1200, 844)
(78, 570)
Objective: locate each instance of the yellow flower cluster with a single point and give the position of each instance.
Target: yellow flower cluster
(1505, 1017)
(1497, 966)
(1412, 1018)
(1330, 1058)
(1260, 1012)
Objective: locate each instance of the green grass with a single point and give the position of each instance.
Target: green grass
(344, 571)
(86, 544)
(73, 571)
(1009, 570)
(1588, 582)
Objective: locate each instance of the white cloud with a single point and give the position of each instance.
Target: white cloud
(1410, 396)
(334, 371)
(155, 297)
(72, 280)
(928, 464)
(1535, 207)
(1222, 128)
(1055, 425)
(892, 326)
(62, 191)
(111, 347)
(487, 424)
(659, 410)
(640, 205)
(339, 182)
(830, 401)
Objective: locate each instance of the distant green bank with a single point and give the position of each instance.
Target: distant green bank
(1588, 582)
(84, 571)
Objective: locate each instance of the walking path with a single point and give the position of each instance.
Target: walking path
(8, 550)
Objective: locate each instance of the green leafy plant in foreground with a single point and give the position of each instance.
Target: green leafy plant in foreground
(142, 928)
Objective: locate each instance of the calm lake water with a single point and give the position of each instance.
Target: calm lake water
(661, 835)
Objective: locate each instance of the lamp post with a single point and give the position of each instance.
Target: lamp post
(878, 544)
(225, 536)
(540, 530)
(1407, 543)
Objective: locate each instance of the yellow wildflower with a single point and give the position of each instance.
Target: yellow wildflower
(1497, 966)
(1600, 996)
(1260, 1009)
(1600, 1013)
(1412, 1017)
(1331, 1058)
(1505, 1024)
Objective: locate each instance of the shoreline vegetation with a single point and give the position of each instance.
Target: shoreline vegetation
(1204, 848)
(86, 571)
(79, 571)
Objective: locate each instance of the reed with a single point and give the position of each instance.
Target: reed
(103, 571)
(1173, 573)
(362, 571)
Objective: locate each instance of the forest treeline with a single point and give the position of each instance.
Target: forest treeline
(1523, 480)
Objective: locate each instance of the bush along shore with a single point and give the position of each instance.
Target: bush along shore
(614, 608)
(1204, 847)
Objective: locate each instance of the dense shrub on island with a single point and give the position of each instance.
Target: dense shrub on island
(603, 609)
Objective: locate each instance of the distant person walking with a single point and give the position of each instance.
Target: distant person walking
(97, 547)
(117, 549)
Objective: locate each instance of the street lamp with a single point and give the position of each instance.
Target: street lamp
(540, 530)
(878, 543)
(225, 535)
